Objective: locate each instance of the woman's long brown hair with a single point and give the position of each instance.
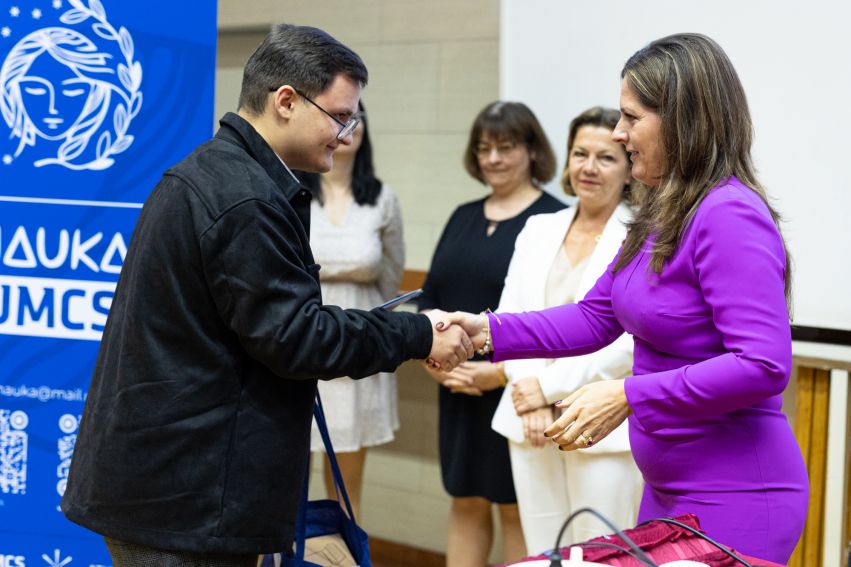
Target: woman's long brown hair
(707, 133)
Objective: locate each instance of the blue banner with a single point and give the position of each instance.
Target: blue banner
(97, 99)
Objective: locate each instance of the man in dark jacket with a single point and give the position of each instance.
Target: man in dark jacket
(194, 439)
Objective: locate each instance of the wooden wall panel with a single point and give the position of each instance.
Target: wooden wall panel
(811, 413)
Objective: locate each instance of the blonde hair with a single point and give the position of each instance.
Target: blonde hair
(604, 118)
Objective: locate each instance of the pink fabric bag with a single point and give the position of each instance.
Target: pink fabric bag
(662, 542)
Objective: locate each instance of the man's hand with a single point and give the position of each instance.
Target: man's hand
(473, 325)
(527, 395)
(450, 345)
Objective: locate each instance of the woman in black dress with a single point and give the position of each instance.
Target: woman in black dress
(509, 153)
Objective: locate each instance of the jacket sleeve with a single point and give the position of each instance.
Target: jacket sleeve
(513, 292)
(566, 375)
(566, 330)
(271, 300)
(740, 265)
(392, 246)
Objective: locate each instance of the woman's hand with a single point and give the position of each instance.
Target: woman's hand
(455, 381)
(473, 325)
(450, 344)
(484, 375)
(534, 424)
(590, 414)
(527, 395)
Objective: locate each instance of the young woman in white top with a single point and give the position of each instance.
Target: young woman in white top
(356, 236)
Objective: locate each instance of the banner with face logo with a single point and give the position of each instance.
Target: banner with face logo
(97, 99)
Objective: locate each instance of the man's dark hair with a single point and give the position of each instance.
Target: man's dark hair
(306, 58)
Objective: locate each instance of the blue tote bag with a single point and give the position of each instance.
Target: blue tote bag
(324, 517)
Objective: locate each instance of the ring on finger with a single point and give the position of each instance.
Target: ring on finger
(582, 441)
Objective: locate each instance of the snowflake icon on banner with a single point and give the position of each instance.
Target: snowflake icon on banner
(69, 84)
(57, 559)
(13, 452)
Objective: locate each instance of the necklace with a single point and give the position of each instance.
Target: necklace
(596, 233)
(576, 238)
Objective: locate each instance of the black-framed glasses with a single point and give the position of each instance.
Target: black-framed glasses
(346, 128)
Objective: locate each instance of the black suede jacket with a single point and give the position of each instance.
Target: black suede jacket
(196, 428)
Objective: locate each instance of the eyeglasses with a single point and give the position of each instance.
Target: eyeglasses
(483, 150)
(346, 128)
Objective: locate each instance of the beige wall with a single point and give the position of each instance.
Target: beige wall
(433, 66)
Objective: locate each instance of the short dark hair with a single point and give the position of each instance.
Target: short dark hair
(365, 185)
(511, 122)
(306, 58)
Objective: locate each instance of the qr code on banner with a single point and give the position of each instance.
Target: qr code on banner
(13, 452)
(65, 447)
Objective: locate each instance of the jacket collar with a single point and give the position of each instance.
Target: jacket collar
(551, 235)
(237, 130)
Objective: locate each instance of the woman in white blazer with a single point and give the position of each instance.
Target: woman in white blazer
(557, 259)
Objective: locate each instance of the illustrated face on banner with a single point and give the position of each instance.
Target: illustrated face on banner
(53, 97)
(79, 153)
(73, 88)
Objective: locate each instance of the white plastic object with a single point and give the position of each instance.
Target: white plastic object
(564, 563)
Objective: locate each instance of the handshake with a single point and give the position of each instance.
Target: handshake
(456, 337)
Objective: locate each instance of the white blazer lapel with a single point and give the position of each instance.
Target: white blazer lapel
(546, 232)
(610, 242)
(548, 238)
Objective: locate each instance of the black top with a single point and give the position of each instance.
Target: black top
(469, 267)
(196, 429)
(467, 273)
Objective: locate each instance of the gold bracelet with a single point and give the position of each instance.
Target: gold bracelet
(486, 348)
(503, 377)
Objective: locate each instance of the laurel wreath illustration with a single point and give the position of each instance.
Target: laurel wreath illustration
(129, 75)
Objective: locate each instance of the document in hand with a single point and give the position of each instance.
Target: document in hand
(399, 300)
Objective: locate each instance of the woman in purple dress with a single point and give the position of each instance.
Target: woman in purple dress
(702, 283)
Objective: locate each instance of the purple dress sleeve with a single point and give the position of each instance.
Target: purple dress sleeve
(740, 264)
(712, 356)
(737, 258)
(566, 330)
